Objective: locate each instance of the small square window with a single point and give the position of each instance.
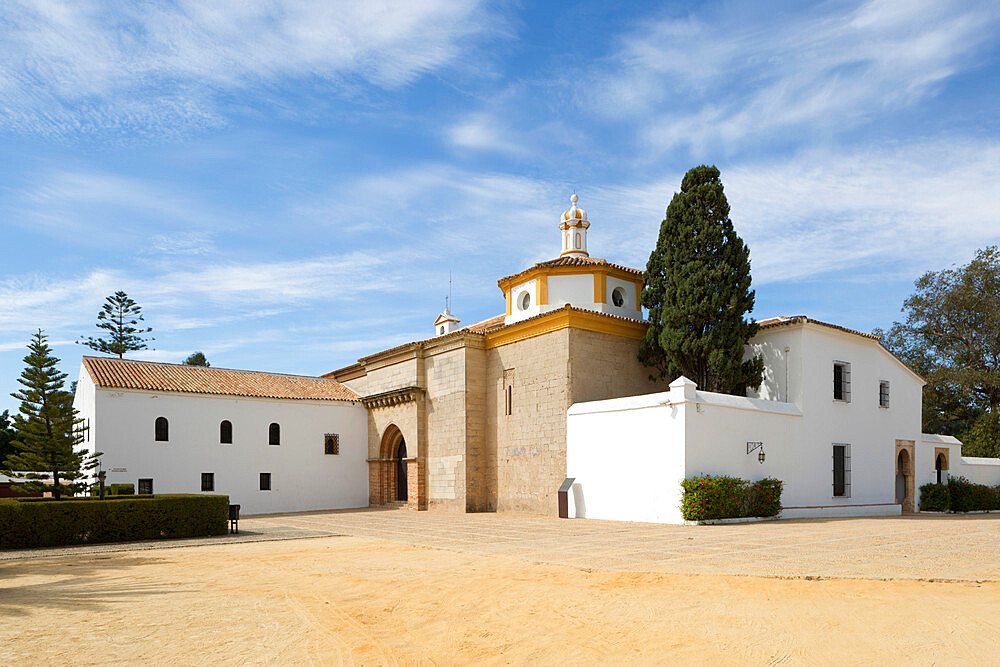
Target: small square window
(331, 444)
(208, 481)
(146, 487)
(265, 481)
(883, 394)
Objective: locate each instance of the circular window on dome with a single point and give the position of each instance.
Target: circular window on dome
(525, 301)
(618, 297)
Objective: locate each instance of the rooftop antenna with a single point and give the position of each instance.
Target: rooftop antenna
(448, 302)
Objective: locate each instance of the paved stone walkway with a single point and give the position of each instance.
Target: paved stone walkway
(964, 548)
(949, 547)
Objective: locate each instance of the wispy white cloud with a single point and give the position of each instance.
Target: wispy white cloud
(98, 207)
(160, 68)
(856, 213)
(729, 80)
(482, 131)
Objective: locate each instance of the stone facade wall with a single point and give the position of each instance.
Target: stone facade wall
(446, 429)
(529, 444)
(605, 366)
(470, 454)
(384, 377)
(479, 458)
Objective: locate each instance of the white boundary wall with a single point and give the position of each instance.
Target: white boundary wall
(302, 476)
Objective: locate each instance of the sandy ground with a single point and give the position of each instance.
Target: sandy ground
(354, 600)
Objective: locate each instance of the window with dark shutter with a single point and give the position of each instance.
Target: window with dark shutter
(265, 481)
(145, 487)
(331, 444)
(841, 470)
(842, 381)
(883, 394)
(226, 432)
(274, 434)
(208, 481)
(161, 429)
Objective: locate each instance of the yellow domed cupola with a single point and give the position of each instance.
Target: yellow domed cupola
(574, 226)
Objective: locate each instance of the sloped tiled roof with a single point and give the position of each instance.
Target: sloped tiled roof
(153, 376)
(802, 319)
(484, 325)
(574, 261)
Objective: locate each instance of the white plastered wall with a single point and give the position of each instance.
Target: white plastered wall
(303, 477)
(627, 455)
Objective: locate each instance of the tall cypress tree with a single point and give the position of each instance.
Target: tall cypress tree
(121, 318)
(47, 428)
(698, 290)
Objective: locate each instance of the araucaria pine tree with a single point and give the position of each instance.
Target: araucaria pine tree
(121, 318)
(698, 291)
(47, 428)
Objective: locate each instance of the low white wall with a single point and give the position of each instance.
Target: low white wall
(977, 469)
(627, 456)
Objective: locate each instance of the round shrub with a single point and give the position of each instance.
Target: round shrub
(935, 498)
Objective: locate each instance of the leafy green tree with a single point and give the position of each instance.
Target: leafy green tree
(197, 359)
(121, 318)
(951, 336)
(47, 428)
(698, 291)
(7, 434)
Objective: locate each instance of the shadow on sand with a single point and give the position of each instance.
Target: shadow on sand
(70, 583)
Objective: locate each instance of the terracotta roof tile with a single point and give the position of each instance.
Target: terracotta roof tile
(154, 376)
(480, 327)
(575, 261)
(802, 319)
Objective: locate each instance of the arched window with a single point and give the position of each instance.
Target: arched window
(226, 432)
(274, 434)
(161, 429)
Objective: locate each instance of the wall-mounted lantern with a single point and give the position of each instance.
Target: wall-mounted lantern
(752, 446)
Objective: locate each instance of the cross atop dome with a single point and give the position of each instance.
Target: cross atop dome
(574, 226)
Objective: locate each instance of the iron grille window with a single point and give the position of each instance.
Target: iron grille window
(841, 470)
(226, 432)
(265, 481)
(331, 444)
(883, 394)
(208, 481)
(145, 487)
(161, 429)
(274, 434)
(842, 381)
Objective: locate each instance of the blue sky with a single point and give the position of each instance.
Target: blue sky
(286, 185)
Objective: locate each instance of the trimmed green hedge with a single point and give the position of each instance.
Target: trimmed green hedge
(53, 523)
(935, 498)
(710, 497)
(113, 490)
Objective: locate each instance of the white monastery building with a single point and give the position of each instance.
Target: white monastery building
(497, 415)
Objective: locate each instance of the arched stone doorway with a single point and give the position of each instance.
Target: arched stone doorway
(389, 480)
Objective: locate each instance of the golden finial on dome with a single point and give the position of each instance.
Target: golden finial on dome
(574, 213)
